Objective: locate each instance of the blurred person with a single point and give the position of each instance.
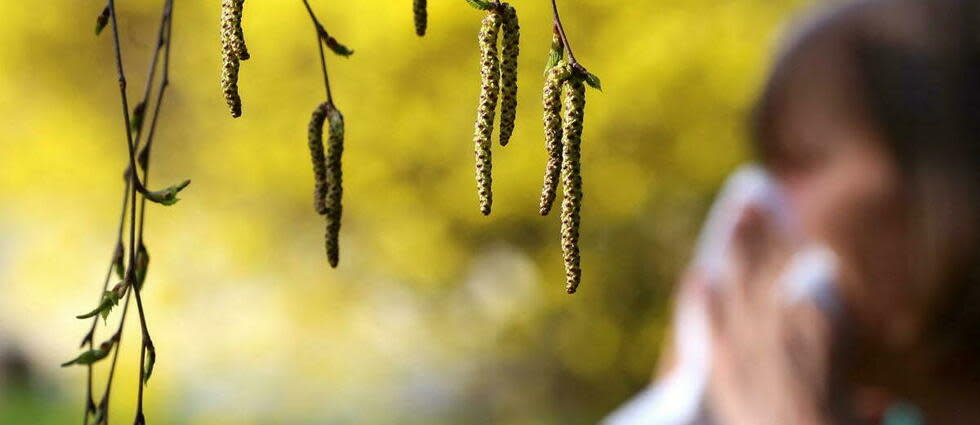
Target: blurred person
(839, 284)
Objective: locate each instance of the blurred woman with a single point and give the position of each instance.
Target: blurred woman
(869, 125)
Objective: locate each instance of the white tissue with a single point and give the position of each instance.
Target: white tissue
(678, 398)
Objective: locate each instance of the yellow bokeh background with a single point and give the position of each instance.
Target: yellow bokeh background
(437, 314)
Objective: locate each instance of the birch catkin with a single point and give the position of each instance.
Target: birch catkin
(553, 134)
(421, 16)
(318, 157)
(489, 93)
(240, 46)
(508, 72)
(231, 50)
(572, 181)
(335, 186)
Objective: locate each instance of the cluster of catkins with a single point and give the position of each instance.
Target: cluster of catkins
(233, 50)
(498, 82)
(563, 141)
(329, 189)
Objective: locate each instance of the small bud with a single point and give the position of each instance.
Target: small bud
(167, 196)
(336, 47)
(143, 158)
(151, 360)
(593, 81)
(136, 121)
(117, 260)
(102, 20)
(142, 266)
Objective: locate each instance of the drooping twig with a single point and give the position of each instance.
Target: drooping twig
(133, 184)
(321, 37)
(328, 190)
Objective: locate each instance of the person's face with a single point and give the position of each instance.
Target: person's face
(846, 192)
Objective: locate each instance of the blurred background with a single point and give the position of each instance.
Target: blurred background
(437, 315)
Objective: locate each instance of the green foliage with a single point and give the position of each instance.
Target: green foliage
(555, 54)
(479, 4)
(91, 356)
(109, 300)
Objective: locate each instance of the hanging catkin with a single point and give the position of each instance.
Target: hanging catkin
(421, 16)
(231, 16)
(508, 72)
(240, 46)
(335, 186)
(489, 93)
(572, 180)
(319, 160)
(553, 134)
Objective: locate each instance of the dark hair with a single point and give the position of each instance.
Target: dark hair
(915, 70)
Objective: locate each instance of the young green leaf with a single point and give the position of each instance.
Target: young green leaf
(167, 196)
(109, 300)
(91, 356)
(479, 4)
(555, 55)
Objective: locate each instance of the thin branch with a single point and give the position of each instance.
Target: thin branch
(561, 33)
(125, 101)
(90, 336)
(104, 403)
(164, 42)
(133, 175)
(321, 35)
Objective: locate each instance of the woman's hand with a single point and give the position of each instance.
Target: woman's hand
(770, 358)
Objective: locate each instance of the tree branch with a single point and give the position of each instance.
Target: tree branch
(321, 36)
(560, 29)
